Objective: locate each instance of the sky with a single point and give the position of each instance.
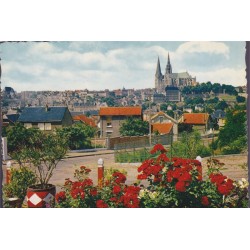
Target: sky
(113, 65)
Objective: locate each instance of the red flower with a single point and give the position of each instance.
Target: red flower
(142, 177)
(93, 192)
(119, 177)
(180, 186)
(116, 189)
(101, 204)
(162, 158)
(185, 177)
(176, 173)
(113, 199)
(61, 196)
(217, 178)
(226, 187)
(170, 175)
(204, 201)
(158, 147)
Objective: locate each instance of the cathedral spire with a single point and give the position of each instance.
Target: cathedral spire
(168, 67)
(158, 69)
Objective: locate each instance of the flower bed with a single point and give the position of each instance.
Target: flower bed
(171, 183)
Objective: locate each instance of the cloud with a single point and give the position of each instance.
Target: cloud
(204, 47)
(231, 76)
(79, 65)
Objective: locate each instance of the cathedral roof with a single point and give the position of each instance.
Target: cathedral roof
(180, 75)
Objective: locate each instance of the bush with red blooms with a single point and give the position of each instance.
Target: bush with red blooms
(83, 194)
(167, 183)
(179, 183)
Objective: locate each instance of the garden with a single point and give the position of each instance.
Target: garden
(162, 183)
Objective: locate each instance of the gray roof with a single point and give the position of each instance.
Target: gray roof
(218, 114)
(39, 114)
(180, 75)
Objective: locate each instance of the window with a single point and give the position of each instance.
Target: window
(41, 126)
(161, 119)
(109, 121)
(47, 126)
(27, 125)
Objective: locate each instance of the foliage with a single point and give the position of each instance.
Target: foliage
(183, 127)
(221, 105)
(233, 136)
(78, 135)
(240, 98)
(134, 127)
(20, 180)
(190, 146)
(37, 150)
(171, 183)
(208, 87)
(138, 155)
(19, 139)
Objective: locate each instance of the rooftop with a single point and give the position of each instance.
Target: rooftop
(40, 114)
(162, 128)
(195, 118)
(121, 111)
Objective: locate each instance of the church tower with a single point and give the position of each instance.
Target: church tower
(158, 76)
(168, 67)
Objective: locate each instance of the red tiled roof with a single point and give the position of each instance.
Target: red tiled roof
(123, 111)
(162, 128)
(84, 119)
(195, 118)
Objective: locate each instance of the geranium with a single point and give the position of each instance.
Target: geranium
(180, 186)
(61, 196)
(158, 147)
(101, 204)
(205, 201)
(119, 177)
(116, 189)
(170, 183)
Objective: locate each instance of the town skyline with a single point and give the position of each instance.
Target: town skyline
(62, 66)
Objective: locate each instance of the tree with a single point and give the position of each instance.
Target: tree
(190, 146)
(134, 127)
(234, 130)
(78, 135)
(221, 105)
(240, 98)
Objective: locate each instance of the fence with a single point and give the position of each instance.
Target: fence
(183, 146)
(135, 149)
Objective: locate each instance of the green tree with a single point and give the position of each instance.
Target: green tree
(234, 132)
(189, 146)
(134, 127)
(221, 105)
(78, 135)
(240, 98)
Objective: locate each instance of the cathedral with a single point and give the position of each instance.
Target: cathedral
(170, 79)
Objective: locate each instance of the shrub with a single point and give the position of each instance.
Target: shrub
(175, 183)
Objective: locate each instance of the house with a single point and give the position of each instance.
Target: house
(173, 94)
(46, 118)
(164, 124)
(198, 121)
(10, 118)
(219, 116)
(84, 119)
(111, 119)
